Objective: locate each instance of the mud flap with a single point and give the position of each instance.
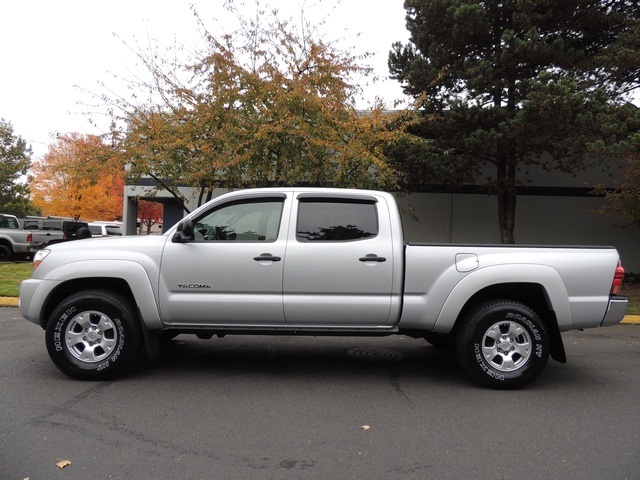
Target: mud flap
(150, 341)
(557, 345)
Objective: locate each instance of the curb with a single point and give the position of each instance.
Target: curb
(8, 302)
(13, 302)
(631, 320)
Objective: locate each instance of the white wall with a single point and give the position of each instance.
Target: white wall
(473, 218)
(547, 220)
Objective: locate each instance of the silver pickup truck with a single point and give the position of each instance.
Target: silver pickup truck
(316, 262)
(13, 241)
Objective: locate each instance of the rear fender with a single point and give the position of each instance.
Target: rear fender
(545, 276)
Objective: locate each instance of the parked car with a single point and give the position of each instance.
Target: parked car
(100, 229)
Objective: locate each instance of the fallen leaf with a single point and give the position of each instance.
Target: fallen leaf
(366, 427)
(63, 463)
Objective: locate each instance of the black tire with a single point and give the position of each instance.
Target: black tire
(6, 253)
(94, 335)
(83, 233)
(502, 344)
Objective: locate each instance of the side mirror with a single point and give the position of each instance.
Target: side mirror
(184, 232)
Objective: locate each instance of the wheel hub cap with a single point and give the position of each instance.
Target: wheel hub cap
(506, 346)
(91, 336)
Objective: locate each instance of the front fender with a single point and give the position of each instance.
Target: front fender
(134, 274)
(547, 277)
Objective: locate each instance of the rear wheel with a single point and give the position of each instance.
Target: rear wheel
(94, 335)
(6, 254)
(503, 344)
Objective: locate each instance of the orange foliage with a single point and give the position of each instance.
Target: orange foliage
(79, 177)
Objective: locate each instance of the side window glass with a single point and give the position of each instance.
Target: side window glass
(8, 222)
(52, 225)
(31, 225)
(336, 220)
(241, 222)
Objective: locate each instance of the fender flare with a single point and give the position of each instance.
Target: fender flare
(133, 273)
(545, 276)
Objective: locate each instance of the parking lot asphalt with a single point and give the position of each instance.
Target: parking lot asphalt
(290, 408)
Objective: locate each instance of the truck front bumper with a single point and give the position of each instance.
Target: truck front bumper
(616, 311)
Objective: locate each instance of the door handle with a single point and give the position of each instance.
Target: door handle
(267, 257)
(372, 257)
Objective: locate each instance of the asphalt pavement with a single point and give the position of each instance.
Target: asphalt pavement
(318, 408)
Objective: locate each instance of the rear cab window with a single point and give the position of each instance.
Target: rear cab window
(336, 220)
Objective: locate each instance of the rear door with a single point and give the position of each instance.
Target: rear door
(231, 272)
(339, 267)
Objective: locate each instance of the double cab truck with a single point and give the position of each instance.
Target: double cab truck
(14, 242)
(310, 261)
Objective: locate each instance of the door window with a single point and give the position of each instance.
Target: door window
(251, 221)
(336, 220)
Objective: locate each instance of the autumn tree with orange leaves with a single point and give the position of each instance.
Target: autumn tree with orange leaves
(269, 104)
(79, 177)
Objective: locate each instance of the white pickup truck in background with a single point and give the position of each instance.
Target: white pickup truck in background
(310, 261)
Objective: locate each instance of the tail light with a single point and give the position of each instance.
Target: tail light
(618, 277)
(29, 238)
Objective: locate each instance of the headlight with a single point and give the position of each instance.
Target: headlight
(39, 256)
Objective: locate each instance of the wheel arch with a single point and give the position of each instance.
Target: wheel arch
(70, 287)
(127, 278)
(112, 284)
(538, 286)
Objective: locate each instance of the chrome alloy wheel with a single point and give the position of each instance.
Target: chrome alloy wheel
(91, 336)
(506, 346)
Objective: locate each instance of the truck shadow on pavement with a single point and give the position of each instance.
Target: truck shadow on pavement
(326, 359)
(338, 358)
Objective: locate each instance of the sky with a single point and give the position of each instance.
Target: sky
(58, 55)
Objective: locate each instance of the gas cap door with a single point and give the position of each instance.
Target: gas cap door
(466, 262)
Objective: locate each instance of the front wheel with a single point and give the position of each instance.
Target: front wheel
(503, 344)
(94, 335)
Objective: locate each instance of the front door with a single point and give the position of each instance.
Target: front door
(231, 271)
